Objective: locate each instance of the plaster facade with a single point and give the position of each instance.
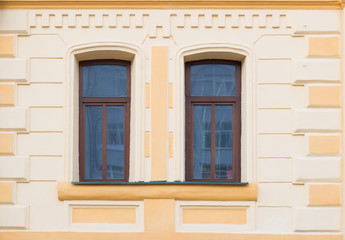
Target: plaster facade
(292, 123)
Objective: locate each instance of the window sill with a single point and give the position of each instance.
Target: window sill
(193, 191)
(160, 183)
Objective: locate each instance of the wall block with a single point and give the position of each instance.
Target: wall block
(273, 219)
(47, 70)
(7, 143)
(324, 96)
(14, 168)
(318, 145)
(9, 25)
(317, 219)
(274, 71)
(8, 192)
(14, 216)
(41, 95)
(307, 22)
(7, 94)
(280, 194)
(316, 169)
(14, 118)
(13, 70)
(324, 46)
(317, 120)
(6, 46)
(282, 170)
(315, 71)
(324, 194)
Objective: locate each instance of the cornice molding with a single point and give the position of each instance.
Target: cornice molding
(172, 4)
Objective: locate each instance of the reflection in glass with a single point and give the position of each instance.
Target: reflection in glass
(202, 142)
(105, 81)
(115, 142)
(213, 80)
(93, 142)
(223, 151)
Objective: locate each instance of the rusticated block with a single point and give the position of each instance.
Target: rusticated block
(324, 46)
(7, 94)
(6, 143)
(6, 46)
(13, 216)
(317, 219)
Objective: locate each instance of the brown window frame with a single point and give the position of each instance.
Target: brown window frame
(235, 101)
(104, 101)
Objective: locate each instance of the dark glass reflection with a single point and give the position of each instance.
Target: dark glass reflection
(105, 81)
(223, 142)
(202, 142)
(93, 142)
(213, 80)
(115, 142)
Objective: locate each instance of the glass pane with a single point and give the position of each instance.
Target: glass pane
(104, 81)
(202, 142)
(223, 151)
(213, 80)
(93, 142)
(115, 142)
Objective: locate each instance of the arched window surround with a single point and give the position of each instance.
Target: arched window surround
(104, 50)
(224, 51)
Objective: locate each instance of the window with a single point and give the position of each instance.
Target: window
(104, 113)
(213, 121)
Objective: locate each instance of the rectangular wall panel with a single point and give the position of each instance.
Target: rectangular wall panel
(16, 168)
(14, 118)
(13, 70)
(315, 70)
(14, 216)
(317, 219)
(310, 169)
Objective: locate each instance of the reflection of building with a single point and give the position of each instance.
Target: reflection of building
(199, 120)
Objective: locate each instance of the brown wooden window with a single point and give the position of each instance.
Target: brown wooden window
(104, 112)
(213, 121)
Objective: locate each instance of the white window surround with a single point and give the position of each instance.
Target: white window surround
(248, 141)
(105, 50)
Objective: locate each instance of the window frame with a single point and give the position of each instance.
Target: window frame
(104, 102)
(234, 101)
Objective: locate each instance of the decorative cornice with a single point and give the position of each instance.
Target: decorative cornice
(172, 4)
(108, 19)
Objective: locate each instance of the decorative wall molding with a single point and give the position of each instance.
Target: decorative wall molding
(171, 4)
(159, 19)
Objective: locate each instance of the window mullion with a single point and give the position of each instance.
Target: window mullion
(213, 144)
(104, 162)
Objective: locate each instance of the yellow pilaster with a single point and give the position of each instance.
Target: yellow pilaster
(159, 105)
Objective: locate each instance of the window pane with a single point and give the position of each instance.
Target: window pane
(213, 80)
(223, 142)
(115, 142)
(93, 142)
(202, 142)
(105, 81)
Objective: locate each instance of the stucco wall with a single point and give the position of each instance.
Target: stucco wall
(291, 120)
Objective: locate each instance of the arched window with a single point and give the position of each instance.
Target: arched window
(104, 117)
(213, 121)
